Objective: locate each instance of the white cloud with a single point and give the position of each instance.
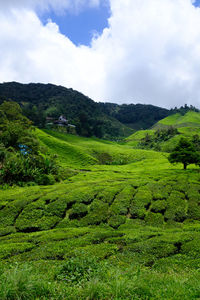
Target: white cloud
(56, 5)
(31, 52)
(150, 53)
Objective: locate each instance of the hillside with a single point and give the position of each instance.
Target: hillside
(165, 134)
(111, 169)
(125, 223)
(103, 120)
(190, 119)
(136, 116)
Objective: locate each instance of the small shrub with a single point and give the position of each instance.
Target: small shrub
(78, 211)
(154, 219)
(99, 251)
(57, 208)
(8, 215)
(193, 202)
(108, 194)
(77, 269)
(122, 201)
(116, 220)
(45, 179)
(7, 230)
(177, 207)
(104, 158)
(159, 206)
(36, 216)
(140, 203)
(154, 247)
(159, 191)
(98, 212)
(11, 249)
(192, 248)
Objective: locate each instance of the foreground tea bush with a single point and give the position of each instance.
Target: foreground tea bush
(74, 204)
(77, 269)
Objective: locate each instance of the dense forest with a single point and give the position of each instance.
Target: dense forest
(103, 120)
(136, 116)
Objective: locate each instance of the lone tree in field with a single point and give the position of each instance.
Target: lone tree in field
(185, 153)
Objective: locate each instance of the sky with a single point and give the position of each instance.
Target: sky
(121, 51)
(80, 26)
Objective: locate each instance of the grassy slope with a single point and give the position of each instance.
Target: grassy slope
(187, 125)
(191, 118)
(136, 214)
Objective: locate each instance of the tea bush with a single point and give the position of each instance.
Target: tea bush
(77, 269)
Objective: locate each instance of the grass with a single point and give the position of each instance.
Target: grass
(124, 225)
(104, 281)
(190, 117)
(187, 126)
(134, 262)
(78, 151)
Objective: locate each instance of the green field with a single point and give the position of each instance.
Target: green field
(124, 224)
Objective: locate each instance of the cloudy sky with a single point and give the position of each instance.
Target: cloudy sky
(122, 51)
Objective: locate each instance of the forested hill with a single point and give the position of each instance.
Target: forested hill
(136, 116)
(104, 120)
(39, 101)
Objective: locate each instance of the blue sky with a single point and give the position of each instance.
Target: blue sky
(79, 27)
(197, 3)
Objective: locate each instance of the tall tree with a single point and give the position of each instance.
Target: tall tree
(185, 153)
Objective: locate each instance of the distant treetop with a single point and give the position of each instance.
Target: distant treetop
(184, 109)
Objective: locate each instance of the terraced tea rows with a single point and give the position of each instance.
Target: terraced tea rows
(113, 204)
(124, 225)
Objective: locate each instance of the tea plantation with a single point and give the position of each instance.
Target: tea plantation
(124, 224)
(159, 136)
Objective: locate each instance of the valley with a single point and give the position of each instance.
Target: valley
(123, 224)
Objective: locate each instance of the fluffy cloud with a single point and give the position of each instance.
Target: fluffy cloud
(56, 5)
(31, 52)
(150, 53)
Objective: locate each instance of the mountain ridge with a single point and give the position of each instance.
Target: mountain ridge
(103, 120)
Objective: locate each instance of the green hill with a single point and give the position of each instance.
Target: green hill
(124, 225)
(190, 119)
(103, 120)
(39, 101)
(136, 116)
(187, 125)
